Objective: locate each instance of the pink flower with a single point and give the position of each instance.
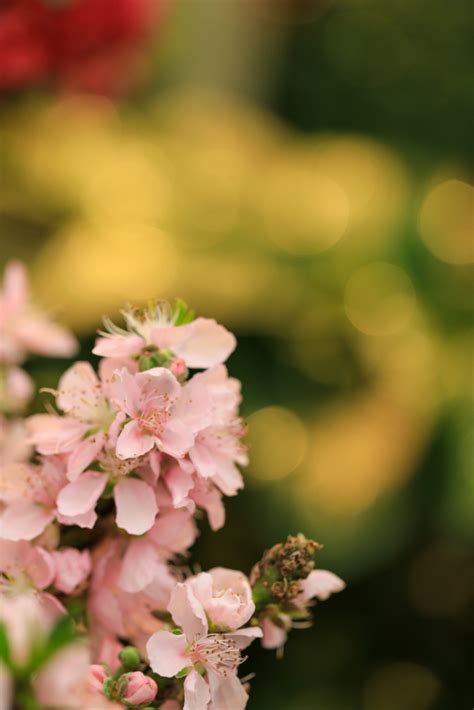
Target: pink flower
(23, 328)
(72, 567)
(162, 413)
(89, 418)
(29, 493)
(320, 584)
(224, 392)
(201, 343)
(219, 654)
(225, 595)
(25, 565)
(141, 689)
(215, 453)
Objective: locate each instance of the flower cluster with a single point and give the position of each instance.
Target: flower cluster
(96, 526)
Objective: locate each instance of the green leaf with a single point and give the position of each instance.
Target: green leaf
(184, 672)
(62, 635)
(5, 655)
(182, 313)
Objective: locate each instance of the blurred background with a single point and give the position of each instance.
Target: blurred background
(299, 170)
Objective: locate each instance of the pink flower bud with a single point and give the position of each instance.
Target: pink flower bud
(178, 366)
(140, 690)
(96, 677)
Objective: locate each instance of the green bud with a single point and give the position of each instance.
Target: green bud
(108, 686)
(146, 362)
(130, 658)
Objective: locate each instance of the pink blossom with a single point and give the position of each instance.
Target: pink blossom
(141, 689)
(320, 584)
(224, 391)
(24, 328)
(25, 565)
(89, 419)
(225, 595)
(219, 654)
(29, 494)
(71, 568)
(162, 413)
(201, 343)
(215, 453)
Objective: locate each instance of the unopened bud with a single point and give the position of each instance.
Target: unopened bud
(178, 367)
(130, 658)
(140, 689)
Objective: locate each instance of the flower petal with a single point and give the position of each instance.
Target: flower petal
(202, 343)
(133, 442)
(167, 653)
(118, 346)
(179, 483)
(196, 692)
(136, 506)
(139, 566)
(24, 520)
(79, 391)
(84, 520)
(227, 693)
(174, 531)
(188, 612)
(41, 336)
(82, 495)
(84, 454)
(321, 583)
(53, 434)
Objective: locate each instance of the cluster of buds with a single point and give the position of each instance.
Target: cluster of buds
(127, 684)
(284, 583)
(277, 576)
(98, 520)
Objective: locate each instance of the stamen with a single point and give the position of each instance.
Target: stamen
(218, 653)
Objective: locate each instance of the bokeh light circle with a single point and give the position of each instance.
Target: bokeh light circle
(278, 442)
(304, 211)
(379, 299)
(401, 685)
(446, 222)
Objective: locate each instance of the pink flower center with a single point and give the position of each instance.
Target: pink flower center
(217, 653)
(153, 421)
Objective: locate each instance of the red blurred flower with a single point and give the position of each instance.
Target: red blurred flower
(91, 45)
